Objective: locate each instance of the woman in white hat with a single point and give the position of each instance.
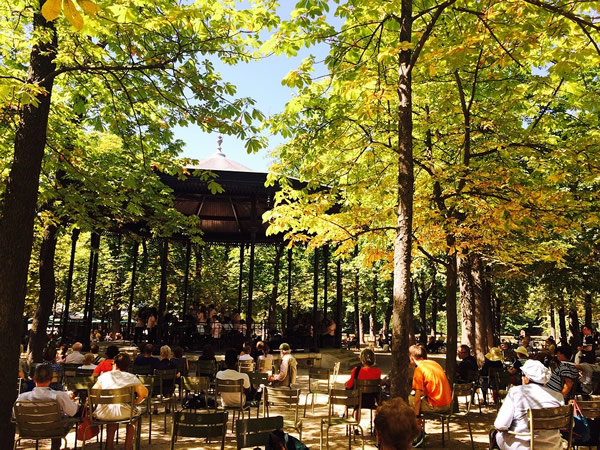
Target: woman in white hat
(513, 413)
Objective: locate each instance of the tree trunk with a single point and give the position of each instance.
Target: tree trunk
(498, 314)
(411, 323)
(91, 287)
(37, 335)
(358, 328)
(17, 214)
(373, 311)
(422, 297)
(493, 333)
(574, 328)
(162, 296)
(388, 311)
(552, 322)
(117, 288)
(562, 325)
(588, 309)
(434, 312)
(275, 290)
(65, 316)
(136, 247)
(482, 319)
(451, 315)
(466, 299)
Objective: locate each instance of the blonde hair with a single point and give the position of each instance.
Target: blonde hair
(165, 352)
(88, 359)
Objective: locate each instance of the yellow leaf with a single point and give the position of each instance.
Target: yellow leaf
(88, 6)
(51, 9)
(72, 14)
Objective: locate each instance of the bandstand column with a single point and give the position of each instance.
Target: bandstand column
(65, 314)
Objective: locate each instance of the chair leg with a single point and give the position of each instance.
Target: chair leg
(305, 403)
(470, 434)
(443, 444)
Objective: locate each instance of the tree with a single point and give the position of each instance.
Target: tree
(354, 129)
(148, 56)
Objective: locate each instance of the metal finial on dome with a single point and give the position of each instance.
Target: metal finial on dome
(219, 150)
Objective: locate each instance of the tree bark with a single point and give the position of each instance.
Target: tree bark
(552, 322)
(482, 319)
(373, 311)
(358, 328)
(17, 214)
(37, 335)
(562, 325)
(574, 328)
(134, 257)
(466, 299)
(451, 315)
(69, 293)
(387, 318)
(493, 333)
(162, 296)
(275, 290)
(91, 287)
(434, 312)
(588, 309)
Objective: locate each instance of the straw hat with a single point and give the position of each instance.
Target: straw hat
(523, 351)
(495, 354)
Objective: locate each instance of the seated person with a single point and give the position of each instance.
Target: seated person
(586, 378)
(564, 374)
(395, 425)
(365, 372)
(508, 353)
(75, 357)
(146, 358)
(432, 390)
(515, 369)
(107, 364)
(232, 398)
(466, 371)
(115, 379)
(88, 362)
(50, 357)
(287, 369)
(181, 363)
(42, 392)
(512, 415)
(493, 360)
(95, 350)
(165, 363)
(245, 353)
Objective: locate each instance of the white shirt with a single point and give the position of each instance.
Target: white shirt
(513, 416)
(41, 394)
(246, 358)
(74, 358)
(115, 379)
(233, 398)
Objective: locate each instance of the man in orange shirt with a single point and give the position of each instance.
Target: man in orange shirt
(432, 390)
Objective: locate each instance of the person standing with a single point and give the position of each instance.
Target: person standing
(432, 389)
(512, 415)
(586, 351)
(151, 325)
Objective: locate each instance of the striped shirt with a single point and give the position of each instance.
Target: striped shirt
(564, 370)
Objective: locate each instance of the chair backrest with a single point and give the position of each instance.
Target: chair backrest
(70, 370)
(343, 397)
(39, 420)
(195, 384)
(368, 386)
(255, 432)
(264, 365)
(559, 418)
(125, 396)
(500, 377)
(257, 378)
(590, 409)
(334, 373)
(141, 370)
(246, 366)
(318, 379)
(84, 372)
(206, 367)
(80, 383)
(230, 386)
(463, 390)
(200, 425)
(283, 397)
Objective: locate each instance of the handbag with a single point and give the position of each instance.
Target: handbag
(84, 430)
(581, 427)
